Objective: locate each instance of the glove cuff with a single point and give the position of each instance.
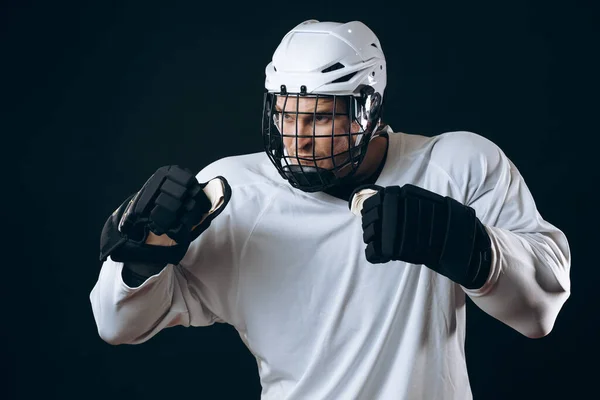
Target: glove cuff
(134, 274)
(481, 261)
(466, 255)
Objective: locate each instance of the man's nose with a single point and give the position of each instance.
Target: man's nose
(302, 135)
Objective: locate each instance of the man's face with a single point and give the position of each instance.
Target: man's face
(308, 134)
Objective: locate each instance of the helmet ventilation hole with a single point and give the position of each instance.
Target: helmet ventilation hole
(344, 78)
(334, 67)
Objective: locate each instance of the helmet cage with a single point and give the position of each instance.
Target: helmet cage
(303, 172)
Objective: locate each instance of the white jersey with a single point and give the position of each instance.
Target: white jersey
(287, 269)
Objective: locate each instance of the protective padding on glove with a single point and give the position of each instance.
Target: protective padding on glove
(171, 202)
(415, 225)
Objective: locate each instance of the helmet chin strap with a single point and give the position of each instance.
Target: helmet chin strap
(311, 179)
(379, 129)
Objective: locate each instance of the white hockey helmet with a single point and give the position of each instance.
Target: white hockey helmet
(325, 59)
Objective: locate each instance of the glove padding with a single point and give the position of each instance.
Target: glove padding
(417, 226)
(171, 202)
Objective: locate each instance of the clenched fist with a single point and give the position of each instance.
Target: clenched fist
(417, 226)
(158, 223)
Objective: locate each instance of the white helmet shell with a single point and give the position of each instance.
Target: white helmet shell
(327, 58)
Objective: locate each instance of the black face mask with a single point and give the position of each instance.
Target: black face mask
(306, 172)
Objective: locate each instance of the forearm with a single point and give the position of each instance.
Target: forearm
(528, 282)
(124, 314)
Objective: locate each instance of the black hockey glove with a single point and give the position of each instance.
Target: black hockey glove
(417, 226)
(171, 202)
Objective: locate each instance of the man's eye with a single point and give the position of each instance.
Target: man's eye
(322, 118)
(288, 117)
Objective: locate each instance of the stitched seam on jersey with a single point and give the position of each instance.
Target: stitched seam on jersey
(439, 167)
(243, 249)
(214, 317)
(184, 272)
(450, 178)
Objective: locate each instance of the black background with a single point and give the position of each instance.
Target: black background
(97, 95)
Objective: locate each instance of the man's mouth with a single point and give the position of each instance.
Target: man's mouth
(306, 159)
(294, 161)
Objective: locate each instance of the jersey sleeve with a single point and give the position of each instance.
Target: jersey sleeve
(198, 291)
(126, 315)
(529, 279)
